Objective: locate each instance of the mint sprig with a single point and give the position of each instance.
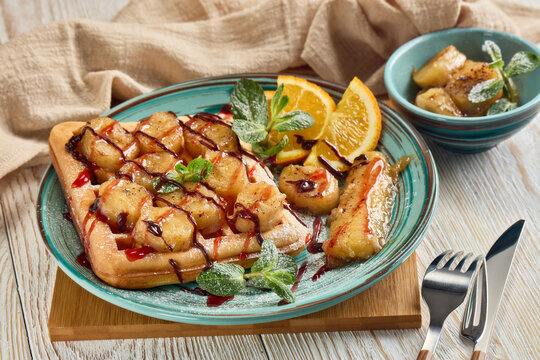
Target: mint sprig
(250, 116)
(198, 170)
(272, 270)
(522, 62)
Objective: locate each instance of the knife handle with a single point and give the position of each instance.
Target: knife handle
(425, 355)
(478, 355)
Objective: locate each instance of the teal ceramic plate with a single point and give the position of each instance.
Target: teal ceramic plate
(412, 214)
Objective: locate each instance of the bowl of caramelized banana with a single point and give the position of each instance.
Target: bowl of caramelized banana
(467, 89)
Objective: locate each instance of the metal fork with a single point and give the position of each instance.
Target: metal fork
(444, 288)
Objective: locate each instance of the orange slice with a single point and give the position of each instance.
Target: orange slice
(352, 129)
(306, 96)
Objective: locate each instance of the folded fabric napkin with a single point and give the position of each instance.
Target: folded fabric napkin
(71, 70)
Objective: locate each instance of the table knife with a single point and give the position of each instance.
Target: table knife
(481, 311)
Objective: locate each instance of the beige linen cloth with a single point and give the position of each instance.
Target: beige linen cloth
(71, 70)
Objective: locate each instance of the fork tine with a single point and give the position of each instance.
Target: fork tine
(438, 259)
(475, 263)
(461, 265)
(452, 260)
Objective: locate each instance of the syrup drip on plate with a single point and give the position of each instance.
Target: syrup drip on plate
(301, 272)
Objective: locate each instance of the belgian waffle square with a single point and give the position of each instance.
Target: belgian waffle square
(108, 245)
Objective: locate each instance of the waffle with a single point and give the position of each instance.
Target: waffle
(116, 250)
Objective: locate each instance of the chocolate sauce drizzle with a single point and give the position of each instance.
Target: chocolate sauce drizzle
(314, 245)
(304, 185)
(155, 229)
(244, 213)
(306, 144)
(301, 272)
(338, 174)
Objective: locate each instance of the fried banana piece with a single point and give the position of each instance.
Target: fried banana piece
(360, 223)
(310, 188)
(164, 127)
(260, 200)
(228, 176)
(164, 229)
(219, 133)
(120, 202)
(438, 101)
(195, 198)
(107, 154)
(145, 168)
(438, 70)
(464, 80)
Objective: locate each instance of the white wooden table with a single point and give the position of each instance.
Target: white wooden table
(480, 196)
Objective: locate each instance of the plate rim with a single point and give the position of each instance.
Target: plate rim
(428, 211)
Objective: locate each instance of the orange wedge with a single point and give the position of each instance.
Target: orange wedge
(306, 96)
(353, 128)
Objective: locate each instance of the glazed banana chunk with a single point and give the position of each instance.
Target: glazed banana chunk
(196, 199)
(228, 177)
(438, 70)
(107, 154)
(120, 202)
(161, 128)
(144, 169)
(310, 187)
(359, 224)
(258, 208)
(219, 134)
(464, 80)
(164, 229)
(437, 101)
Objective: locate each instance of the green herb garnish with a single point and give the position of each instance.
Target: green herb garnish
(250, 116)
(522, 62)
(272, 270)
(197, 170)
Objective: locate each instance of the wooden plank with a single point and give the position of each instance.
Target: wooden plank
(13, 338)
(78, 315)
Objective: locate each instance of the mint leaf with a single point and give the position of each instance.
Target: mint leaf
(248, 102)
(165, 187)
(264, 150)
(283, 276)
(286, 263)
(277, 286)
(485, 90)
(296, 120)
(250, 132)
(222, 279)
(268, 258)
(492, 50)
(275, 101)
(522, 62)
(496, 64)
(500, 106)
(198, 170)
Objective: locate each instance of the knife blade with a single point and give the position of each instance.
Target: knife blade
(497, 266)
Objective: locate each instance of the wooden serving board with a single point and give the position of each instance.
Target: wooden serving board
(392, 303)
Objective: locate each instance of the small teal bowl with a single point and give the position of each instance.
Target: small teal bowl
(462, 134)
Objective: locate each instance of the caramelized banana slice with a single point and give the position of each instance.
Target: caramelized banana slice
(228, 177)
(104, 142)
(438, 70)
(359, 224)
(209, 215)
(145, 168)
(310, 188)
(164, 229)
(161, 128)
(258, 208)
(437, 101)
(213, 129)
(464, 80)
(120, 202)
